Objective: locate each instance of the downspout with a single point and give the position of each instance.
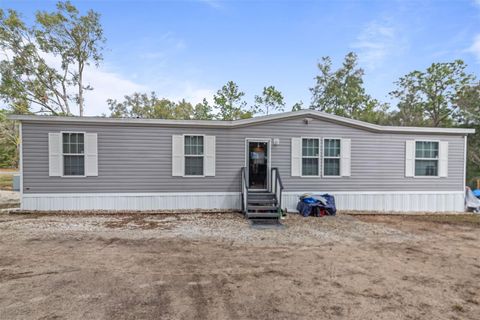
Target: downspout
(20, 163)
(464, 168)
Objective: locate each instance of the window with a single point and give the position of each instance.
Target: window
(331, 157)
(310, 157)
(73, 154)
(194, 155)
(426, 158)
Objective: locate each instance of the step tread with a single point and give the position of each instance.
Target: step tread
(261, 194)
(263, 215)
(272, 201)
(250, 207)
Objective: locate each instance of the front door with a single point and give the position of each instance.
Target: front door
(257, 164)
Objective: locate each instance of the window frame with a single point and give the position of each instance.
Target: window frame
(190, 155)
(339, 158)
(415, 159)
(319, 157)
(73, 154)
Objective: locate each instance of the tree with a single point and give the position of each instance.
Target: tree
(427, 97)
(142, 105)
(230, 104)
(9, 141)
(297, 106)
(409, 108)
(44, 64)
(183, 110)
(202, 111)
(341, 91)
(468, 102)
(270, 100)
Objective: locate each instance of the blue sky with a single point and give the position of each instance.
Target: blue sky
(191, 48)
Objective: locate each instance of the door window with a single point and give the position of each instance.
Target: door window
(258, 164)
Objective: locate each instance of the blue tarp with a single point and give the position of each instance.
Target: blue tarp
(325, 201)
(476, 193)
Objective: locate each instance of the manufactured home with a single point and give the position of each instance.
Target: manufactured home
(94, 163)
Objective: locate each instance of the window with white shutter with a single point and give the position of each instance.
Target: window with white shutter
(296, 153)
(91, 155)
(193, 155)
(210, 157)
(409, 158)
(443, 159)
(55, 154)
(426, 158)
(345, 154)
(72, 154)
(177, 155)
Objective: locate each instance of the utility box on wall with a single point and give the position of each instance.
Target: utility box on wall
(16, 182)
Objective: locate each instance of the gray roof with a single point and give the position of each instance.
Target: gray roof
(245, 122)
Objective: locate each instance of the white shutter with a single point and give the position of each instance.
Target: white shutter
(178, 160)
(345, 157)
(55, 154)
(296, 157)
(409, 158)
(91, 155)
(209, 164)
(443, 159)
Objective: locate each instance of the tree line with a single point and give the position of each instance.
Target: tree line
(43, 64)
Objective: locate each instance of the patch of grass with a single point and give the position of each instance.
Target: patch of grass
(6, 181)
(458, 308)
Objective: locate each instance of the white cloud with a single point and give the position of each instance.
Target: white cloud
(475, 47)
(177, 90)
(107, 85)
(376, 42)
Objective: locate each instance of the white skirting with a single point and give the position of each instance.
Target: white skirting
(131, 201)
(393, 201)
(404, 201)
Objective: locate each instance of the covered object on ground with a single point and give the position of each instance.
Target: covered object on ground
(471, 201)
(311, 204)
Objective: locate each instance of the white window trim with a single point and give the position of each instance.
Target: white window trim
(415, 159)
(320, 145)
(72, 154)
(269, 160)
(339, 158)
(203, 155)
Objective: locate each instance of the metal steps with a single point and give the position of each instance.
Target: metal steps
(258, 205)
(262, 205)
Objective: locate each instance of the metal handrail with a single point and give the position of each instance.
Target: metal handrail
(243, 172)
(277, 185)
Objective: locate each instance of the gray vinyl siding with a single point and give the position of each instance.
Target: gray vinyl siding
(137, 158)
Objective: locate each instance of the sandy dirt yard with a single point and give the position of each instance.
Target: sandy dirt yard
(216, 266)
